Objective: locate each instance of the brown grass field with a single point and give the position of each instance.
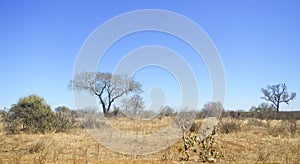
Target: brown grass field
(255, 141)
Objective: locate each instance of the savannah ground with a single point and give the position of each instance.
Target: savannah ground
(249, 140)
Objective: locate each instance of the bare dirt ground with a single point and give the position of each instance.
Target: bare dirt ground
(255, 141)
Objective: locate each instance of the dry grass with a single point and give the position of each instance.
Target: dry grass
(140, 126)
(261, 143)
(249, 144)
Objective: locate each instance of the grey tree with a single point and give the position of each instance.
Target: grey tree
(137, 103)
(213, 109)
(133, 105)
(277, 94)
(106, 86)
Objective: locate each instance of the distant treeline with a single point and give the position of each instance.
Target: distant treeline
(263, 115)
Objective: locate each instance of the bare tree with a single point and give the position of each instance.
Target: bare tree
(137, 103)
(105, 86)
(134, 105)
(277, 94)
(213, 109)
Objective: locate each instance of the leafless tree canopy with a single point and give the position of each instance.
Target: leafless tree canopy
(105, 86)
(213, 109)
(133, 105)
(137, 103)
(277, 94)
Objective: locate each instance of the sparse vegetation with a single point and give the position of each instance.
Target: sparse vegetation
(251, 143)
(233, 139)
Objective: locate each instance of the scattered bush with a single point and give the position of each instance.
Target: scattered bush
(166, 111)
(232, 114)
(263, 111)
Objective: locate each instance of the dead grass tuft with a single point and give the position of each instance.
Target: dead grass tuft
(229, 126)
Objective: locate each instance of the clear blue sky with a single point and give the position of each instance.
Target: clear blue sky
(258, 42)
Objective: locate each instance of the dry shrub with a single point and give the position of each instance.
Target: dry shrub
(196, 126)
(197, 148)
(40, 146)
(277, 131)
(291, 125)
(285, 128)
(229, 126)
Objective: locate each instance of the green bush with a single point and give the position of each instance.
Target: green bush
(32, 114)
(61, 123)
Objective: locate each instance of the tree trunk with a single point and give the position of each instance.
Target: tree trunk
(108, 107)
(277, 107)
(104, 112)
(104, 109)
